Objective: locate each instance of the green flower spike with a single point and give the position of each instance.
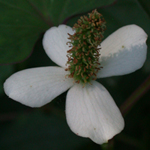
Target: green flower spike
(83, 57)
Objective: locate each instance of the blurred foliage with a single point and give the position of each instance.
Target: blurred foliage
(22, 25)
(40, 131)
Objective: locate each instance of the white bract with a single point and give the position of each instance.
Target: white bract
(91, 111)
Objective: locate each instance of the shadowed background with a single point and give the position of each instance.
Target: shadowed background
(22, 26)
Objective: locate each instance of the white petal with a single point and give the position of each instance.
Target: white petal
(38, 86)
(54, 43)
(123, 52)
(91, 112)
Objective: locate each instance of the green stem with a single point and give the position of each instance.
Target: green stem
(135, 96)
(108, 146)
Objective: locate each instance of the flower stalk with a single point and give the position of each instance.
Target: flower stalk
(108, 146)
(135, 96)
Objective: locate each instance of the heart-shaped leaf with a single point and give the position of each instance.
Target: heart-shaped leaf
(22, 22)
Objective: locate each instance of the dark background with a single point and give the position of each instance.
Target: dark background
(25, 128)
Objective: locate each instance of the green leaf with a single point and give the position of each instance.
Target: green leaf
(20, 27)
(67, 8)
(22, 22)
(37, 131)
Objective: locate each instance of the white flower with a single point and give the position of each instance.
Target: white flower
(91, 111)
